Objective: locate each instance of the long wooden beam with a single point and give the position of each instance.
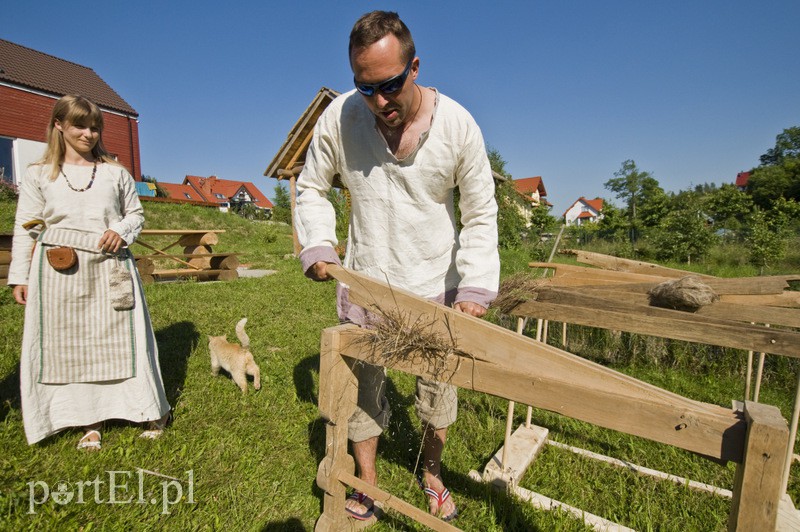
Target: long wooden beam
(491, 343)
(579, 275)
(737, 336)
(752, 313)
(706, 429)
(609, 262)
(510, 365)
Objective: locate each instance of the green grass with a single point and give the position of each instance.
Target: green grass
(254, 458)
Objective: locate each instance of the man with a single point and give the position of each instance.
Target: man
(401, 150)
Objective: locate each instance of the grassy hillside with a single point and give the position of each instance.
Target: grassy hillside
(252, 459)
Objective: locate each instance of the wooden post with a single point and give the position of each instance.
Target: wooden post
(792, 435)
(338, 393)
(293, 192)
(758, 485)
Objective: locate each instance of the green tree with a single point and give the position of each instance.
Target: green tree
(613, 226)
(770, 231)
(787, 146)
(510, 222)
(727, 206)
(684, 233)
(779, 173)
(282, 206)
(643, 197)
(542, 221)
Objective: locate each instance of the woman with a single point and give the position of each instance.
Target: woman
(88, 350)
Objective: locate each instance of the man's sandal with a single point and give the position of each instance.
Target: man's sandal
(156, 428)
(361, 498)
(90, 445)
(440, 497)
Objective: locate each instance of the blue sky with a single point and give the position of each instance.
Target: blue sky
(693, 92)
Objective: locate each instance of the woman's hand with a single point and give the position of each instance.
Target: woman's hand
(21, 293)
(110, 242)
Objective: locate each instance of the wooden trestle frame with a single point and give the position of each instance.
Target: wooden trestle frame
(515, 367)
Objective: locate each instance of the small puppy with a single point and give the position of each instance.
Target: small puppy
(236, 360)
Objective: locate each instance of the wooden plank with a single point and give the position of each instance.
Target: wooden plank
(513, 366)
(681, 481)
(187, 255)
(738, 335)
(521, 450)
(5, 241)
(202, 275)
(757, 488)
(399, 505)
(788, 299)
(569, 274)
(5, 256)
(609, 262)
(164, 253)
(706, 429)
(731, 311)
(180, 231)
(608, 301)
(4, 270)
(338, 391)
(491, 343)
(571, 270)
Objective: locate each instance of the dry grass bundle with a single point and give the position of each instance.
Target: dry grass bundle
(514, 290)
(392, 336)
(687, 293)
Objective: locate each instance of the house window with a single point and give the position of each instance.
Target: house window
(219, 196)
(188, 196)
(6, 160)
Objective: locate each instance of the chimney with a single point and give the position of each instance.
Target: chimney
(207, 185)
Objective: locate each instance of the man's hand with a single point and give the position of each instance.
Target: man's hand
(468, 307)
(110, 242)
(21, 293)
(319, 271)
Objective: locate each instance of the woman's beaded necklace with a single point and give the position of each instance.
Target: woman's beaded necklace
(84, 189)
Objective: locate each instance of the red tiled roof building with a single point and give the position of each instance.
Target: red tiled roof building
(30, 84)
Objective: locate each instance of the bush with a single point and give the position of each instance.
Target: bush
(8, 191)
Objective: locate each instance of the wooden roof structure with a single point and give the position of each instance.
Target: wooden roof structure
(292, 152)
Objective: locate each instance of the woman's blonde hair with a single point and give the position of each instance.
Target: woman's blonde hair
(79, 111)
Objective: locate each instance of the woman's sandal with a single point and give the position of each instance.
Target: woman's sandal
(90, 445)
(156, 428)
(440, 497)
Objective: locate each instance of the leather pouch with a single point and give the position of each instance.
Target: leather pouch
(62, 257)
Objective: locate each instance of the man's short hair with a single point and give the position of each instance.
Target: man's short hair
(375, 25)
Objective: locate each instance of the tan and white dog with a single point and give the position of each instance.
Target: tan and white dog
(236, 360)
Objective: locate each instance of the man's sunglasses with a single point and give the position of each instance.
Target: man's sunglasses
(388, 86)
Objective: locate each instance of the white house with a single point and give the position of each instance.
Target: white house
(584, 210)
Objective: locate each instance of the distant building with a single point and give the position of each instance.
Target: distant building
(741, 180)
(30, 84)
(584, 210)
(531, 195)
(225, 193)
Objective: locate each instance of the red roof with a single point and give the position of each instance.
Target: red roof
(28, 68)
(218, 190)
(528, 185)
(596, 205)
(179, 192)
(742, 178)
